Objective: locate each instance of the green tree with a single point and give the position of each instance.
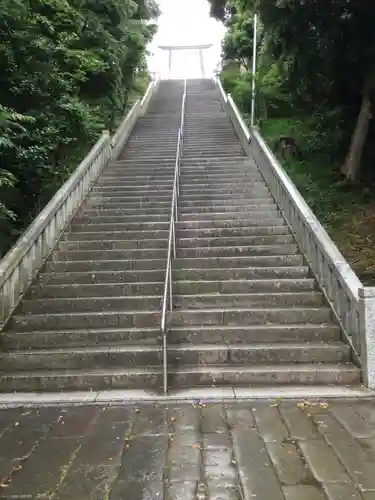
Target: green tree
(69, 65)
(327, 59)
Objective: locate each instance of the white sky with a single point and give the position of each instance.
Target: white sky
(186, 22)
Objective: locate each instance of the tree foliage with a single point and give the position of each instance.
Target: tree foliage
(67, 69)
(321, 59)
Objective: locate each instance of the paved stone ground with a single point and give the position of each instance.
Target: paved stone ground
(284, 451)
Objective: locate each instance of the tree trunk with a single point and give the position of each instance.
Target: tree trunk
(352, 165)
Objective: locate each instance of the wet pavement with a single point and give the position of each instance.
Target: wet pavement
(241, 451)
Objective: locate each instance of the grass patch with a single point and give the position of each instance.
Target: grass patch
(347, 212)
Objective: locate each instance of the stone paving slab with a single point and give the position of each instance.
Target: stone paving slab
(209, 394)
(279, 450)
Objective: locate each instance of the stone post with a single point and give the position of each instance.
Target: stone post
(170, 63)
(367, 333)
(201, 61)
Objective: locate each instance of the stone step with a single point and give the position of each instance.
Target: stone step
(106, 265)
(192, 263)
(105, 255)
(265, 375)
(226, 185)
(65, 246)
(149, 154)
(80, 290)
(245, 204)
(149, 159)
(126, 226)
(239, 273)
(129, 206)
(88, 304)
(75, 380)
(146, 140)
(85, 219)
(272, 223)
(215, 149)
(111, 202)
(90, 235)
(118, 185)
(179, 287)
(247, 334)
(202, 140)
(124, 163)
(275, 217)
(267, 300)
(154, 132)
(85, 320)
(217, 197)
(201, 170)
(251, 210)
(131, 356)
(84, 358)
(12, 341)
(194, 179)
(217, 124)
(248, 189)
(154, 151)
(257, 354)
(223, 163)
(123, 196)
(216, 164)
(193, 233)
(146, 143)
(101, 277)
(207, 173)
(196, 143)
(238, 261)
(136, 166)
(192, 275)
(248, 316)
(154, 135)
(131, 180)
(231, 232)
(211, 154)
(227, 251)
(145, 146)
(151, 379)
(235, 286)
(126, 212)
(239, 241)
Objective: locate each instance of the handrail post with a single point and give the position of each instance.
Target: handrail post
(367, 334)
(165, 363)
(172, 244)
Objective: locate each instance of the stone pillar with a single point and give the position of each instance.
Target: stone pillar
(169, 63)
(201, 61)
(367, 333)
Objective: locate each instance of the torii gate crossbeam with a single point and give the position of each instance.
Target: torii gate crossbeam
(173, 48)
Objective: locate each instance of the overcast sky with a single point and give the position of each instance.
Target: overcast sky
(186, 22)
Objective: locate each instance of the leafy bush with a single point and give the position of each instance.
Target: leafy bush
(72, 67)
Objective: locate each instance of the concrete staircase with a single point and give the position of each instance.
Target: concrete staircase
(93, 319)
(247, 310)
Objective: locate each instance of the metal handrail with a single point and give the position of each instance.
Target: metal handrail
(168, 291)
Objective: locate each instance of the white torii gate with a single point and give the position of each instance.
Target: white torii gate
(178, 48)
